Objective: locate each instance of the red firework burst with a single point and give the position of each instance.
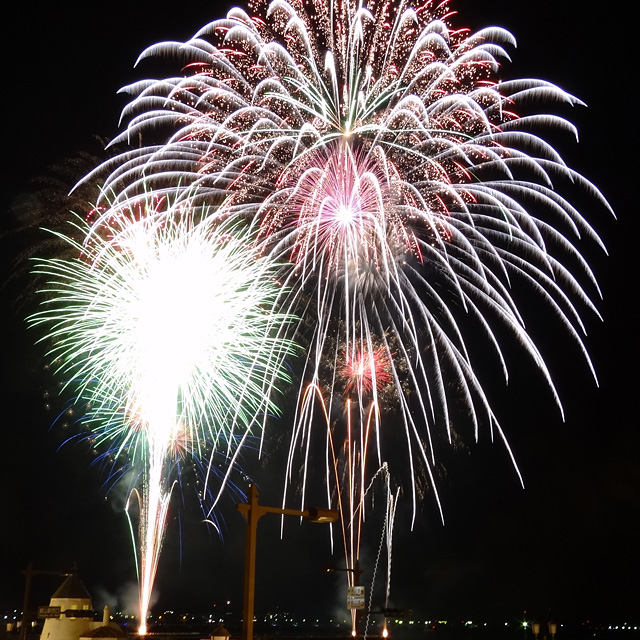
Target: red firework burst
(366, 370)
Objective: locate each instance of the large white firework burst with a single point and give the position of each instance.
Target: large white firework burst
(446, 193)
(166, 325)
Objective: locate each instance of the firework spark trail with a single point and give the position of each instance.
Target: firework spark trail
(167, 325)
(386, 542)
(379, 150)
(349, 478)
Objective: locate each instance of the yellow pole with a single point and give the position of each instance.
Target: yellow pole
(252, 511)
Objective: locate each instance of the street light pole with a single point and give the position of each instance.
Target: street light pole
(253, 511)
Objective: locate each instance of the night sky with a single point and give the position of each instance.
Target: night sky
(566, 544)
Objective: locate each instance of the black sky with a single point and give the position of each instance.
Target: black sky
(567, 543)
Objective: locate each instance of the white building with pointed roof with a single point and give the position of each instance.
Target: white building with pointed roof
(75, 619)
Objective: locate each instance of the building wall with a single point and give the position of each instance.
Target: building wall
(67, 628)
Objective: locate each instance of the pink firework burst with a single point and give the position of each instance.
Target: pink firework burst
(341, 212)
(366, 370)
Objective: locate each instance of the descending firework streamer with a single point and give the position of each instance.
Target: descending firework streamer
(167, 326)
(361, 380)
(380, 151)
(350, 481)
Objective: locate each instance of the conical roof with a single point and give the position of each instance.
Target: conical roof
(72, 588)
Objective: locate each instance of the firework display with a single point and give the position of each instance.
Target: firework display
(397, 187)
(381, 153)
(166, 323)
